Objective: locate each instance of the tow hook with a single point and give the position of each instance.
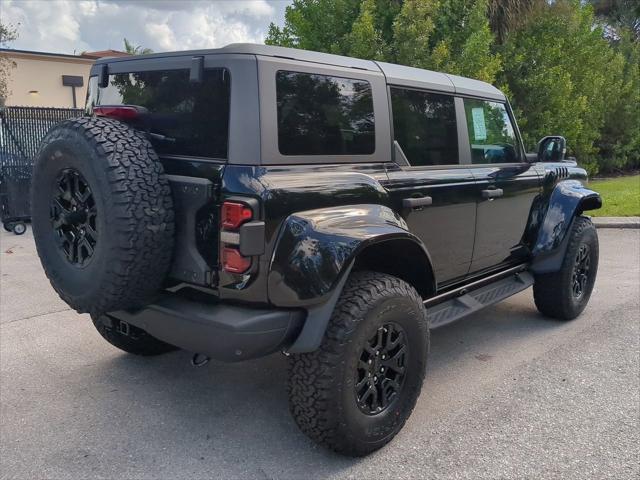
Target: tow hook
(199, 360)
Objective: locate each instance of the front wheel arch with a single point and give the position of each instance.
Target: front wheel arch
(589, 202)
(568, 201)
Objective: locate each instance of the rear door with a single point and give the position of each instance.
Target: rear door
(428, 183)
(506, 185)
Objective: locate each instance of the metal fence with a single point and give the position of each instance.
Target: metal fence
(21, 131)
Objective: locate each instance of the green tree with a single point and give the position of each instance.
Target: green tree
(506, 16)
(132, 49)
(320, 25)
(618, 15)
(450, 35)
(619, 141)
(562, 75)
(8, 33)
(413, 31)
(366, 39)
(463, 41)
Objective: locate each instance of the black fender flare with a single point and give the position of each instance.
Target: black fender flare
(568, 200)
(315, 252)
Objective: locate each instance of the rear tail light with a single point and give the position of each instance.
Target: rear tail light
(117, 112)
(233, 261)
(235, 214)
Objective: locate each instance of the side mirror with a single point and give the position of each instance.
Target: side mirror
(552, 149)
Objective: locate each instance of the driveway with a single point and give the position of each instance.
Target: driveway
(509, 394)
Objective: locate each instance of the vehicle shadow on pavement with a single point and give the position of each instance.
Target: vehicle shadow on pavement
(233, 418)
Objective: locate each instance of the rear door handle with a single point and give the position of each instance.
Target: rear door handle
(416, 202)
(492, 193)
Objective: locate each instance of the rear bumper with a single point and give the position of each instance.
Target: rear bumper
(225, 332)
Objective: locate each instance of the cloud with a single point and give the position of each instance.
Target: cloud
(255, 8)
(162, 33)
(65, 26)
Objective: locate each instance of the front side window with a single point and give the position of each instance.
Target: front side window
(184, 118)
(491, 133)
(424, 124)
(324, 115)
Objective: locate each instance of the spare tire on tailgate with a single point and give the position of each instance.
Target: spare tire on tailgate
(102, 215)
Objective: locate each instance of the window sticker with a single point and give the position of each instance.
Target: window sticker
(479, 127)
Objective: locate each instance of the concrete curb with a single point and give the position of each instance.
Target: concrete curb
(616, 222)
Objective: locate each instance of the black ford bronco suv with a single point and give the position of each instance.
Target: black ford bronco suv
(253, 199)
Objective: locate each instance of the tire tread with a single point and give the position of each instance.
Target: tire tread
(312, 376)
(142, 212)
(548, 292)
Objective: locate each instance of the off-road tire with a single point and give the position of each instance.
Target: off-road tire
(322, 396)
(553, 292)
(136, 341)
(134, 219)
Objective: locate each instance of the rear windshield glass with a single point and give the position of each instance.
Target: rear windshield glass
(323, 115)
(187, 118)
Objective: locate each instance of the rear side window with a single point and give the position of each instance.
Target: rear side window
(491, 133)
(324, 115)
(187, 118)
(424, 124)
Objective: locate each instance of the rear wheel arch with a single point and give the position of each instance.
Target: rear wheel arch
(402, 258)
(406, 259)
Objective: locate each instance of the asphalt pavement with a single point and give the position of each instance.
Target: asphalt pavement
(509, 394)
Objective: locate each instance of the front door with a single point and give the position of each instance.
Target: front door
(506, 185)
(436, 195)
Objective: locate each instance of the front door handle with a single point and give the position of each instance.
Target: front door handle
(492, 193)
(416, 202)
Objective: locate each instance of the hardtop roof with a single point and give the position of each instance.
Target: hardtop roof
(395, 74)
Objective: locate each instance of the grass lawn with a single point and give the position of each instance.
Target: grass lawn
(620, 196)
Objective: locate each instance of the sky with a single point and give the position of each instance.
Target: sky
(74, 26)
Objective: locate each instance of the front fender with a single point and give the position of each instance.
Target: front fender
(567, 200)
(316, 247)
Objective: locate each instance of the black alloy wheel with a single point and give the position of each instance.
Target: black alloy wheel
(356, 391)
(73, 216)
(564, 294)
(381, 369)
(102, 215)
(581, 268)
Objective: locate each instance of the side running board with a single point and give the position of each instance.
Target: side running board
(451, 310)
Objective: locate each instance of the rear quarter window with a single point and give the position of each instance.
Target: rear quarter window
(193, 118)
(324, 115)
